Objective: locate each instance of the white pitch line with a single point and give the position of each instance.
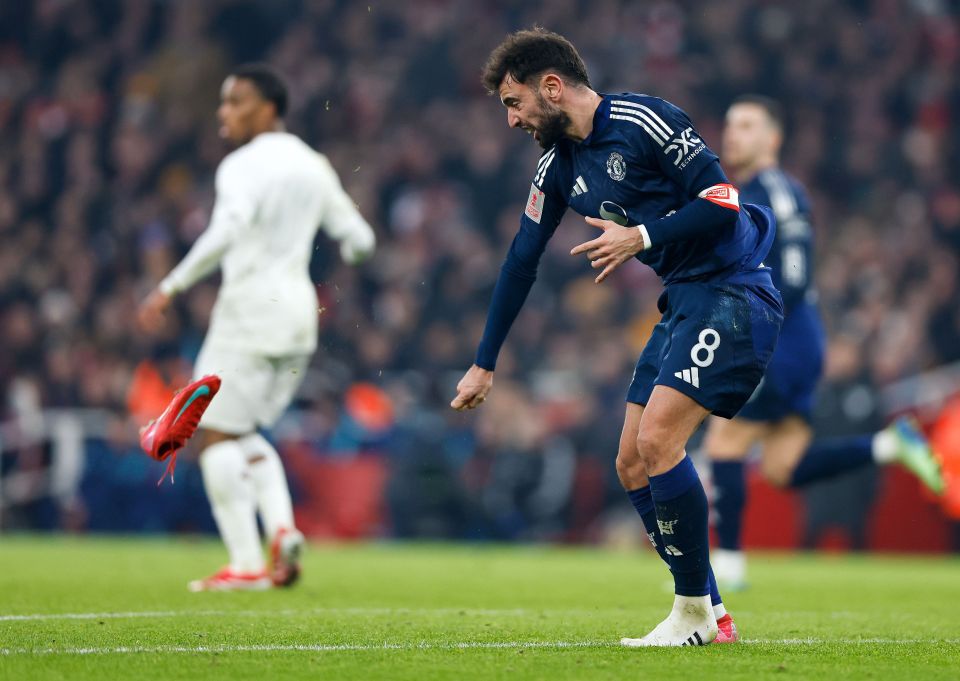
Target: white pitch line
(849, 641)
(89, 615)
(476, 612)
(465, 645)
(480, 612)
(309, 647)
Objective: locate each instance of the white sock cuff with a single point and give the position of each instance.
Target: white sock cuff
(884, 447)
(719, 610)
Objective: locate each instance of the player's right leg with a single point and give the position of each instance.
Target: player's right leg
(225, 467)
(633, 477)
(911, 449)
(223, 464)
(668, 420)
(727, 444)
(900, 442)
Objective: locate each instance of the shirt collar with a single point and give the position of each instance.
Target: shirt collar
(600, 119)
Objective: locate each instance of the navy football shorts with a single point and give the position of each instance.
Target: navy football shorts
(790, 382)
(712, 344)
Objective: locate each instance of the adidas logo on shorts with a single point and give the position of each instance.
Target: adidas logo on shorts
(691, 376)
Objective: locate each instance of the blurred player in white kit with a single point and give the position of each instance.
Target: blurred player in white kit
(272, 195)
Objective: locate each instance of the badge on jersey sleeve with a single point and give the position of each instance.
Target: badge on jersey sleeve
(535, 203)
(725, 195)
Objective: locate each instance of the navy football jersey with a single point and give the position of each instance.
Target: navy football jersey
(791, 256)
(791, 378)
(642, 161)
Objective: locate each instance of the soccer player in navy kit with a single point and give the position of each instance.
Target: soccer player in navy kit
(636, 168)
(778, 415)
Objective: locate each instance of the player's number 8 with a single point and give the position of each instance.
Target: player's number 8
(709, 347)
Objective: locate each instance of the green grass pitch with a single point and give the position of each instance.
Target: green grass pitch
(119, 609)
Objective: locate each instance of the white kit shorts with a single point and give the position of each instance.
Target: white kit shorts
(255, 389)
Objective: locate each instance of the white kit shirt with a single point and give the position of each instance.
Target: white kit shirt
(273, 194)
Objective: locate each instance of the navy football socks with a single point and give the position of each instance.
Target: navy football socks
(729, 499)
(642, 500)
(678, 527)
(827, 458)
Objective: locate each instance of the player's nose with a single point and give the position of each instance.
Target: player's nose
(513, 120)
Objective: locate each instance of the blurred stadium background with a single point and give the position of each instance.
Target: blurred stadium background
(107, 156)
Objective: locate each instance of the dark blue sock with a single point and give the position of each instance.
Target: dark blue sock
(681, 506)
(729, 500)
(642, 500)
(827, 458)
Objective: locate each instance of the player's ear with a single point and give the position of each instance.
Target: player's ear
(551, 87)
(776, 139)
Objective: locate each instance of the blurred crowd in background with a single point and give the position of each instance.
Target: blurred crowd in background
(107, 158)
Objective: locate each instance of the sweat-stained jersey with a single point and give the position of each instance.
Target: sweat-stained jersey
(643, 161)
(273, 194)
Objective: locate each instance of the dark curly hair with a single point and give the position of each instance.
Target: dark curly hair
(532, 52)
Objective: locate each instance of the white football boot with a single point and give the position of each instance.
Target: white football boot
(690, 623)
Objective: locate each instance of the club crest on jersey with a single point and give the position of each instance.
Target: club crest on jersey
(616, 166)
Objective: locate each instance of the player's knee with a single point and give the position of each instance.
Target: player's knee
(777, 473)
(719, 445)
(630, 470)
(653, 448)
(714, 448)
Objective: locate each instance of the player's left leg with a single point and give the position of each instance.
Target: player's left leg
(266, 469)
(667, 422)
(276, 508)
(727, 444)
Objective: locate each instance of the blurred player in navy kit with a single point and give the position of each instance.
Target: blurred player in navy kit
(777, 416)
(637, 169)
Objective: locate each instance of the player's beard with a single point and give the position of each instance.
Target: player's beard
(555, 123)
